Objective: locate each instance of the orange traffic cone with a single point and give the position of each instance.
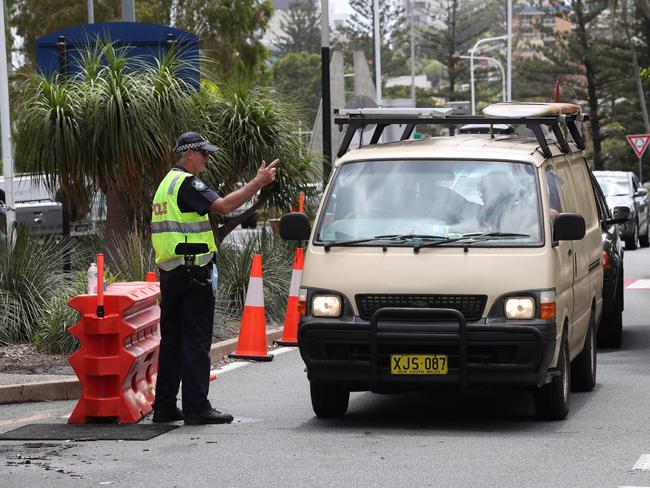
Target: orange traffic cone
(151, 277)
(290, 333)
(252, 333)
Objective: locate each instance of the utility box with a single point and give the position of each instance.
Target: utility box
(40, 217)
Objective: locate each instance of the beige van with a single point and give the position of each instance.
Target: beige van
(472, 260)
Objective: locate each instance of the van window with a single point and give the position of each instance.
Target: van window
(568, 195)
(553, 185)
(432, 197)
(584, 191)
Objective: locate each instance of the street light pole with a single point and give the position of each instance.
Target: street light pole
(410, 3)
(509, 52)
(128, 10)
(91, 12)
(375, 9)
(472, 51)
(325, 85)
(5, 131)
(499, 65)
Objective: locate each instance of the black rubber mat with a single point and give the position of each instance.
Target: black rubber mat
(87, 432)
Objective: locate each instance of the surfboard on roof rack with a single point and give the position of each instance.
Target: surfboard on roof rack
(534, 116)
(515, 109)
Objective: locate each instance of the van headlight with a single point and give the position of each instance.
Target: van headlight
(326, 306)
(519, 308)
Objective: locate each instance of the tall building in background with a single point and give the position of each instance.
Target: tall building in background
(534, 28)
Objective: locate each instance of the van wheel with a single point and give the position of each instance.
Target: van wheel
(632, 242)
(583, 370)
(328, 400)
(552, 399)
(610, 332)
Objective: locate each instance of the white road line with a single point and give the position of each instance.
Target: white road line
(240, 364)
(643, 462)
(282, 350)
(633, 487)
(639, 285)
(230, 366)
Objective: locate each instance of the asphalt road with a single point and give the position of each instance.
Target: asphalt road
(485, 440)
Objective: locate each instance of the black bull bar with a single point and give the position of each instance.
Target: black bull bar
(320, 343)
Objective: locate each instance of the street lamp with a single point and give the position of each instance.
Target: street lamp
(500, 66)
(5, 131)
(471, 63)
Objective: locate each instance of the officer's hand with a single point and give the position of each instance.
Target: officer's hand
(266, 174)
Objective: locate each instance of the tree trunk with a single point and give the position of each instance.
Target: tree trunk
(590, 73)
(117, 219)
(637, 72)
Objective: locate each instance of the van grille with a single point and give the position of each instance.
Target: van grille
(471, 306)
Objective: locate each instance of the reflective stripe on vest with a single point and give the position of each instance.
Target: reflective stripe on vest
(170, 226)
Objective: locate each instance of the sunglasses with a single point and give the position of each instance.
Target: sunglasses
(203, 153)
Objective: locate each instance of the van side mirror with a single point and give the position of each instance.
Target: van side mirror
(620, 215)
(294, 227)
(568, 227)
(641, 192)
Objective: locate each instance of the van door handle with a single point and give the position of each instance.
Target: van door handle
(570, 252)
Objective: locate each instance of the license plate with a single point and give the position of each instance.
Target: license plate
(418, 364)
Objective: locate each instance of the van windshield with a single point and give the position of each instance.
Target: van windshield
(396, 201)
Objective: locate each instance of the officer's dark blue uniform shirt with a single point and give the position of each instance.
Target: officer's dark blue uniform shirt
(194, 195)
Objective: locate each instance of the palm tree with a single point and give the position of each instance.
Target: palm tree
(250, 124)
(110, 126)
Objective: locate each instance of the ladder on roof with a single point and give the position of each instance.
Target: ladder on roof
(359, 118)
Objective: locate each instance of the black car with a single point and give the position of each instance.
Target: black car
(622, 188)
(610, 330)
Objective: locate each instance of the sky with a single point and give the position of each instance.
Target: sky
(339, 7)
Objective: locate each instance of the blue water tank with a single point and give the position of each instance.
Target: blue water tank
(58, 52)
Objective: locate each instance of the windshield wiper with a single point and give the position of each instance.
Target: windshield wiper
(386, 237)
(472, 237)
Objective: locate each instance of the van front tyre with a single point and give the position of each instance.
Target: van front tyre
(552, 399)
(328, 400)
(583, 369)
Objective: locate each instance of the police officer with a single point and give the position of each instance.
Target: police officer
(180, 214)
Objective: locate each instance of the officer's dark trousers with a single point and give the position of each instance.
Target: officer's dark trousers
(186, 317)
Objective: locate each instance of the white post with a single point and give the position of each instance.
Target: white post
(91, 12)
(410, 3)
(509, 53)
(128, 10)
(471, 77)
(375, 7)
(5, 129)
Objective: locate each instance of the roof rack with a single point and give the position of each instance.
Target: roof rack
(359, 118)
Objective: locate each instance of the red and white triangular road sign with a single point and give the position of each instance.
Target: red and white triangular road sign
(639, 143)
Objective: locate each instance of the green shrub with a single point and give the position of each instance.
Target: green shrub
(31, 275)
(57, 318)
(132, 257)
(234, 264)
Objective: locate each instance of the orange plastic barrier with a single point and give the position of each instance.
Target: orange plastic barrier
(117, 359)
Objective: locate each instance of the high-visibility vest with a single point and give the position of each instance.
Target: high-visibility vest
(170, 226)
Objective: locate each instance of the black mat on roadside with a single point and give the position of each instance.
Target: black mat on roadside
(87, 432)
